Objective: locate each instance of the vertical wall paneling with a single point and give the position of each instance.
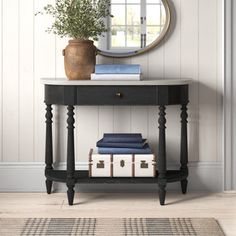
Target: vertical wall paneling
(155, 63)
(207, 80)
(143, 61)
(106, 113)
(122, 119)
(230, 175)
(44, 61)
(220, 75)
(192, 49)
(173, 133)
(104, 60)
(26, 80)
(229, 8)
(189, 69)
(172, 66)
(172, 46)
(60, 118)
(59, 129)
(139, 114)
(153, 133)
(62, 133)
(106, 120)
(139, 120)
(56, 134)
(61, 43)
(230, 96)
(1, 78)
(122, 115)
(87, 135)
(10, 81)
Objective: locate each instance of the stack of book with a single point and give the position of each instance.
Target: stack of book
(122, 155)
(116, 72)
(123, 143)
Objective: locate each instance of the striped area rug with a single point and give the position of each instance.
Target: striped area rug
(110, 226)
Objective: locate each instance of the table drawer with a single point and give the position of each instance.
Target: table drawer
(116, 95)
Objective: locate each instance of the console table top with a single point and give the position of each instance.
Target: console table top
(64, 81)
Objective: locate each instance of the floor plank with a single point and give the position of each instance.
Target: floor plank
(221, 206)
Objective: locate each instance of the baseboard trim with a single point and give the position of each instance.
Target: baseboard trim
(29, 177)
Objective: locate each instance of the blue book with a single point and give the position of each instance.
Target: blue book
(117, 69)
(122, 138)
(109, 150)
(101, 143)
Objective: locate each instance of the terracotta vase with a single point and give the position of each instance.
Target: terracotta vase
(79, 59)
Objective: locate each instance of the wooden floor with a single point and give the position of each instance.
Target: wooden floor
(221, 206)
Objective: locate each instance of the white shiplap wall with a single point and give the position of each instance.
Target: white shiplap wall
(192, 49)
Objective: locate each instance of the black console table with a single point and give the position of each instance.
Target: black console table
(79, 93)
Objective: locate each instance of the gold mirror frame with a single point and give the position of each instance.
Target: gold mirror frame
(150, 46)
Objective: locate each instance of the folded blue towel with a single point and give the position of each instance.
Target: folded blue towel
(101, 143)
(122, 138)
(117, 69)
(107, 150)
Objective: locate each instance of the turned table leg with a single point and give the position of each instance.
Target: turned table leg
(184, 147)
(70, 180)
(162, 156)
(48, 149)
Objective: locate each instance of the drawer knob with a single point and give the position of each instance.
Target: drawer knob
(119, 95)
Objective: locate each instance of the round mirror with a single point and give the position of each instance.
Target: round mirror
(136, 27)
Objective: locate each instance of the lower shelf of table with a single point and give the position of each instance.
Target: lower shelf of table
(81, 176)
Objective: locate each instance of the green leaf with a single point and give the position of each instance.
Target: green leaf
(81, 19)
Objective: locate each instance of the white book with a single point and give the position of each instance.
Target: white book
(115, 76)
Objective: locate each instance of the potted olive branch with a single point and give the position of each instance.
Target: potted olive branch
(83, 21)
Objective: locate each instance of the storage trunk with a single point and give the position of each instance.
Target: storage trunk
(122, 165)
